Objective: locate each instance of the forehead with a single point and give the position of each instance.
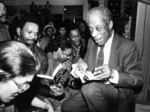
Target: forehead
(74, 31)
(67, 51)
(29, 25)
(2, 5)
(49, 29)
(62, 28)
(95, 18)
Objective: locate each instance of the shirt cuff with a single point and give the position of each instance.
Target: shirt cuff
(115, 77)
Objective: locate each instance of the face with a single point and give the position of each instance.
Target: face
(75, 37)
(3, 13)
(64, 55)
(100, 31)
(11, 88)
(49, 32)
(82, 27)
(62, 31)
(29, 33)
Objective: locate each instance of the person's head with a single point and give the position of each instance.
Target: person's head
(28, 30)
(74, 35)
(3, 12)
(48, 31)
(62, 51)
(82, 25)
(100, 24)
(62, 29)
(17, 69)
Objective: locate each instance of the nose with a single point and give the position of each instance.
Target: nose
(77, 39)
(94, 33)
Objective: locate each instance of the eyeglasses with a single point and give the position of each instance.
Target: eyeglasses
(21, 87)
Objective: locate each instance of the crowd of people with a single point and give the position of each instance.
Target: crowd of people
(36, 65)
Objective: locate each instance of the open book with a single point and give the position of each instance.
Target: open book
(60, 75)
(79, 70)
(55, 82)
(53, 75)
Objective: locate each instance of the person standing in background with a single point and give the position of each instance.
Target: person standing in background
(77, 42)
(4, 32)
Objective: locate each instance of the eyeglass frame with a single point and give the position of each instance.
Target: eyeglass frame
(21, 87)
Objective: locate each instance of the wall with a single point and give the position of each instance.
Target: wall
(142, 38)
(53, 2)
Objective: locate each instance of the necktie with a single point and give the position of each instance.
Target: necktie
(100, 58)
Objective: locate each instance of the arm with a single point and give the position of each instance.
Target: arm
(130, 73)
(36, 102)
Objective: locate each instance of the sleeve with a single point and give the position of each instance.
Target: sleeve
(130, 73)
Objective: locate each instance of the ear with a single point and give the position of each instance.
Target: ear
(18, 30)
(111, 25)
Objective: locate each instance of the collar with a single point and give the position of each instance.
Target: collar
(109, 41)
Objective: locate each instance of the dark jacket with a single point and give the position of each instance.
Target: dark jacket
(124, 57)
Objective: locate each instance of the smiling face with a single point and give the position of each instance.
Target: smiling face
(99, 29)
(11, 88)
(75, 37)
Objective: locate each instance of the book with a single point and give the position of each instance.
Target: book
(52, 76)
(79, 70)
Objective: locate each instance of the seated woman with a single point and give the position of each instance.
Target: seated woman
(17, 68)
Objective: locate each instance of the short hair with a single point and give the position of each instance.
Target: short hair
(81, 21)
(72, 27)
(26, 19)
(66, 44)
(16, 59)
(57, 43)
(107, 15)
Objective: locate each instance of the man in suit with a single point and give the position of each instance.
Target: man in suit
(115, 81)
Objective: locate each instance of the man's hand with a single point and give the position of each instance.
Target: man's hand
(102, 73)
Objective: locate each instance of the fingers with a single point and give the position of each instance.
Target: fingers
(102, 72)
(99, 70)
(102, 76)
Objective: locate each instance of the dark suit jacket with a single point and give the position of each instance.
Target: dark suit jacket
(124, 57)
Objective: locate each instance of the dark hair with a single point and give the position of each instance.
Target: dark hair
(15, 59)
(66, 44)
(1, 1)
(58, 43)
(72, 27)
(28, 18)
